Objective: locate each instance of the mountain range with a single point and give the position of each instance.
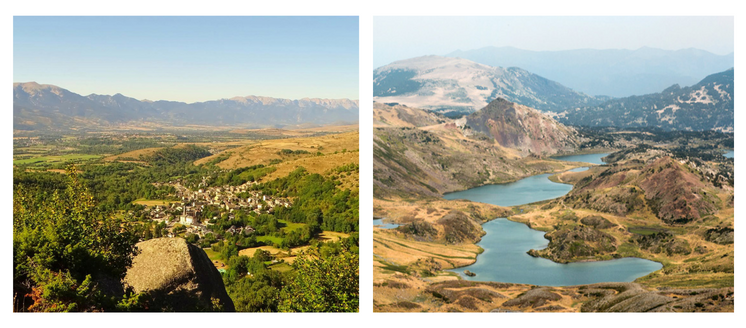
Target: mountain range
(707, 105)
(49, 107)
(611, 72)
(455, 85)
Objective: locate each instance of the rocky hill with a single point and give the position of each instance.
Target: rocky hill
(674, 192)
(455, 85)
(177, 276)
(48, 107)
(393, 114)
(707, 105)
(526, 129)
(434, 159)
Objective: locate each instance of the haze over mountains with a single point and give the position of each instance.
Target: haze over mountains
(457, 86)
(48, 107)
(610, 72)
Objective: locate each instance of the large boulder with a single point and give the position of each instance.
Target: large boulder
(177, 276)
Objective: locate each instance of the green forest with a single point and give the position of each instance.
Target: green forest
(74, 235)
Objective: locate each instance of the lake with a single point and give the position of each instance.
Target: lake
(524, 191)
(729, 154)
(379, 223)
(505, 260)
(506, 242)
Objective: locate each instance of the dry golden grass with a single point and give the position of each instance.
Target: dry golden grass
(315, 164)
(262, 152)
(403, 211)
(153, 202)
(134, 154)
(299, 131)
(391, 291)
(389, 246)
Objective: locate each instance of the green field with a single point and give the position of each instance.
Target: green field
(290, 226)
(271, 240)
(48, 160)
(281, 267)
(215, 256)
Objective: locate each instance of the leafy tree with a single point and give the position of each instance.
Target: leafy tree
(64, 249)
(323, 284)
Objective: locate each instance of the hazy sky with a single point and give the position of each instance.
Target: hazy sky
(397, 38)
(190, 58)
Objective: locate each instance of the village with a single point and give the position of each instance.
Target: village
(190, 214)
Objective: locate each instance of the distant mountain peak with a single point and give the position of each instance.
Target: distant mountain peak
(450, 84)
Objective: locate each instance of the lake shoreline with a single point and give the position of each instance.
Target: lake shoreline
(589, 163)
(460, 275)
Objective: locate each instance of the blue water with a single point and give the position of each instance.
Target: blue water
(729, 154)
(505, 260)
(506, 242)
(379, 223)
(524, 191)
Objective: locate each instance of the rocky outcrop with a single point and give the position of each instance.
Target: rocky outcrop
(524, 128)
(459, 228)
(177, 276)
(597, 221)
(721, 236)
(663, 242)
(576, 243)
(420, 230)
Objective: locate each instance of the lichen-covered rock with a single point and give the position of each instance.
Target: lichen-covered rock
(535, 298)
(177, 276)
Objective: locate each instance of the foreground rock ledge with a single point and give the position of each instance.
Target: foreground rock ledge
(178, 277)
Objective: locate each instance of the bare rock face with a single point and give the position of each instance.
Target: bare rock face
(177, 277)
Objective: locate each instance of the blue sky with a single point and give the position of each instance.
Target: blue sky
(190, 58)
(399, 37)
